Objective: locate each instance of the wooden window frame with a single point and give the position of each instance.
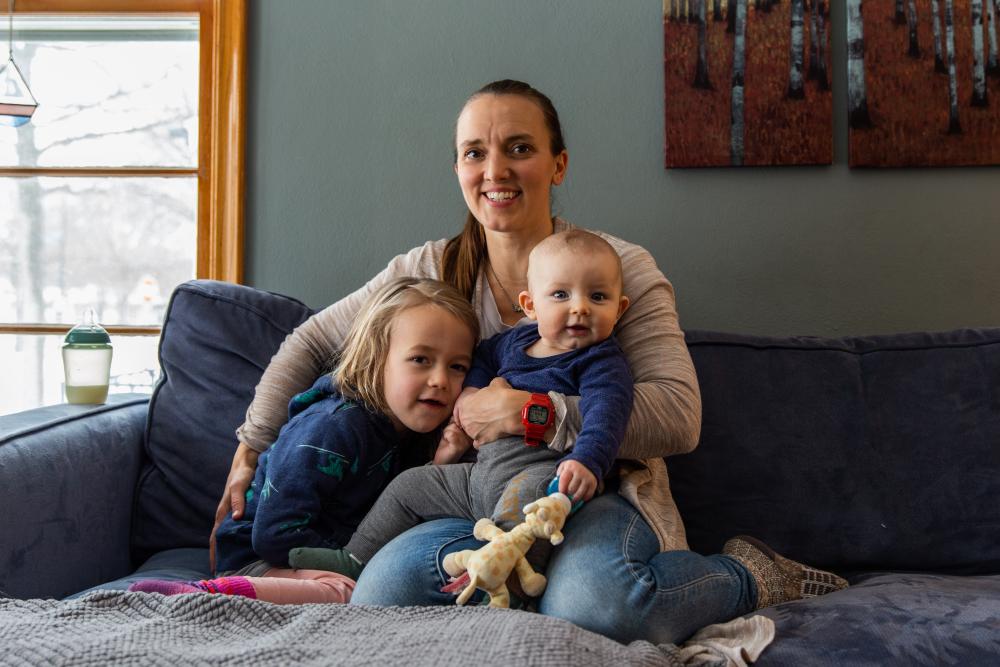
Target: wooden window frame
(221, 135)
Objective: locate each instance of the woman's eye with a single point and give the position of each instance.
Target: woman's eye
(520, 149)
(473, 154)
(559, 294)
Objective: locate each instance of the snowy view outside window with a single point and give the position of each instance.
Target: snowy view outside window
(112, 93)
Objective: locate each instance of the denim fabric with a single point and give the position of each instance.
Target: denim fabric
(891, 619)
(217, 339)
(607, 576)
(854, 454)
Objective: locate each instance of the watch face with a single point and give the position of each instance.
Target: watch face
(538, 414)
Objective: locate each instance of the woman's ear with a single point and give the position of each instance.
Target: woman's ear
(527, 304)
(562, 162)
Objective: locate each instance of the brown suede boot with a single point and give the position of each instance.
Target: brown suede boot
(780, 579)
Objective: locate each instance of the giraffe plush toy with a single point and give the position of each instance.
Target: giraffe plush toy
(489, 566)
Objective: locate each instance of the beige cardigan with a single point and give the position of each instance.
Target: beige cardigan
(666, 415)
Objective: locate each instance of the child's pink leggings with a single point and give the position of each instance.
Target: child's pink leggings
(284, 586)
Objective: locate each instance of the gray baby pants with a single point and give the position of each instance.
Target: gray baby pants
(506, 476)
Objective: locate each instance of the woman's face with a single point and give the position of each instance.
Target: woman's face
(505, 165)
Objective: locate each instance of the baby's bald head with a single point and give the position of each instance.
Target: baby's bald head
(582, 246)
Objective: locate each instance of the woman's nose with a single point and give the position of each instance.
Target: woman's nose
(497, 167)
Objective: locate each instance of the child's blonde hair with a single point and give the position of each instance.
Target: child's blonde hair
(360, 371)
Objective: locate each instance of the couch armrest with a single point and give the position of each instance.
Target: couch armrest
(67, 477)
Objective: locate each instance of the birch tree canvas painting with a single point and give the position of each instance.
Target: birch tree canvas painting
(747, 82)
(923, 82)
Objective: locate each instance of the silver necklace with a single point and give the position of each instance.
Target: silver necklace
(513, 304)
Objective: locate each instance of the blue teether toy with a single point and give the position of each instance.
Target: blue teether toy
(554, 488)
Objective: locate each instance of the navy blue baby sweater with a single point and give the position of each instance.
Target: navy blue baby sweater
(315, 484)
(598, 374)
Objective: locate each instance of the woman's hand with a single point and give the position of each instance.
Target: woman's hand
(234, 497)
(491, 413)
(576, 480)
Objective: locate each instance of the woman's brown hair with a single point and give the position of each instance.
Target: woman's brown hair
(464, 253)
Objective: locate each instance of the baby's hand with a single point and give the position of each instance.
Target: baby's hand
(453, 444)
(576, 480)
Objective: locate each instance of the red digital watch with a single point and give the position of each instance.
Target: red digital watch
(537, 416)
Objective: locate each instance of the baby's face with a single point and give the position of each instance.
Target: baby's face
(576, 298)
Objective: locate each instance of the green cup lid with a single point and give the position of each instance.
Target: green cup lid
(88, 333)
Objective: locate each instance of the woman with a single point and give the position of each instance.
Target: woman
(623, 570)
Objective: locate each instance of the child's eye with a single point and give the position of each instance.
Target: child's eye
(460, 368)
(418, 359)
(559, 294)
(598, 296)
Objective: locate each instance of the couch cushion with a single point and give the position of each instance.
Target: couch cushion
(891, 619)
(857, 453)
(217, 339)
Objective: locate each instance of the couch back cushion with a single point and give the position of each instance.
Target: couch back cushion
(856, 453)
(217, 339)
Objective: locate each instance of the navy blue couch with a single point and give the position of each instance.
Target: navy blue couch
(876, 457)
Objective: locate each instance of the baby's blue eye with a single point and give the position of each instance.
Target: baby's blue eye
(559, 294)
(598, 296)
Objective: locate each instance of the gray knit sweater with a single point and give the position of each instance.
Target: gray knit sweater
(666, 415)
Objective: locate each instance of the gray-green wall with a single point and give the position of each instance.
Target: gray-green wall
(352, 104)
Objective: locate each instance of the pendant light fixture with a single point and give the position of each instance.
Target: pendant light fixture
(17, 104)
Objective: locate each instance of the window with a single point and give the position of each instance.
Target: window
(127, 181)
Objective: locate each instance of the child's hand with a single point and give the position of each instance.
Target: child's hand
(576, 480)
(453, 444)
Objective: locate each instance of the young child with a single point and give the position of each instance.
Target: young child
(400, 372)
(575, 297)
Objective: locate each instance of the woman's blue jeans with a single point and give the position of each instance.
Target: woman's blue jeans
(608, 576)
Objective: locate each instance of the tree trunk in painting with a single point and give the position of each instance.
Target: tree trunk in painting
(857, 98)
(900, 15)
(938, 58)
(954, 127)
(911, 19)
(731, 16)
(701, 73)
(676, 9)
(813, 72)
(992, 65)
(824, 82)
(979, 97)
(739, 64)
(796, 91)
(717, 10)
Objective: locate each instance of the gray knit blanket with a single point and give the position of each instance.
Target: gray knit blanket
(118, 628)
